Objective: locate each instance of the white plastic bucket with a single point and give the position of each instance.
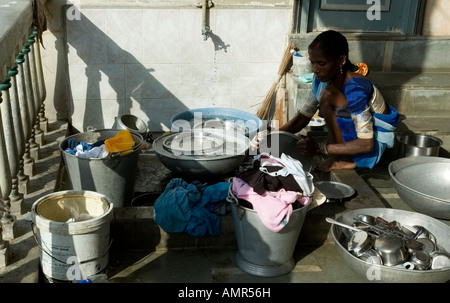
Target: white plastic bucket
(72, 247)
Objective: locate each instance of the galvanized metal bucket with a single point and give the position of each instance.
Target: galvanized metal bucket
(261, 251)
(113, 176)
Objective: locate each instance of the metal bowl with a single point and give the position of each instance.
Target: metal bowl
(280, 142)
(233, 151)
(252, 123)
(392, 274)
(419, 145)
(391, 249)
(423, 183)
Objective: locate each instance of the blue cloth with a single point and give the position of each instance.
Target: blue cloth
(184, 207)
(72, 145)
(358, 92)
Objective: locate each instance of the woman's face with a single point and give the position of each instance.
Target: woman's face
(324, 67)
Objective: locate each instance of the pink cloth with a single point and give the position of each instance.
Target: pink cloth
(273, 208)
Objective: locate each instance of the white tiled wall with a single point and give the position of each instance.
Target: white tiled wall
(154, 62)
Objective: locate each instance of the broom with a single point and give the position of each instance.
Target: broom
(286, 63)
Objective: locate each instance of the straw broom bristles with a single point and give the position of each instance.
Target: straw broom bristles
(286, 63)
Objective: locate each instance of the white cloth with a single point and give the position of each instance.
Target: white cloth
(95, 152)
(289, 166)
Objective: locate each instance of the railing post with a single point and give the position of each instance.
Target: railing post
(17, 198)
(8, 220)
(34, 148)
(38, 133)
(41, 83)
(5, 190)
(26, 162)
(29, 152)
(5, 172)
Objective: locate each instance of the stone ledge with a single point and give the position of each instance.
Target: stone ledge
(134, 228)
(15, 24)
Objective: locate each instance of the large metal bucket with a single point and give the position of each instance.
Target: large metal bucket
(112, 176)
(262, 252)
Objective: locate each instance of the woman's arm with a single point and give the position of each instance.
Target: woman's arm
(296, 124)
(309, 147)
(355, 147)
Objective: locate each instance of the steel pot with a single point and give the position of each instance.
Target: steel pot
(428, 245)
(372, 257)
(421, 260)
(419, 145)
(360, 242)
(391, 249)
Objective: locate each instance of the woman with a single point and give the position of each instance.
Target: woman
(360, 124)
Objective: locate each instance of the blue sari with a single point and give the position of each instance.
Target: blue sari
(359, 92)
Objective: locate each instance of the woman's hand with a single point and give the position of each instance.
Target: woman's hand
(308, 146)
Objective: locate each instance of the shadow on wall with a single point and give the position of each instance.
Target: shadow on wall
(129, 82)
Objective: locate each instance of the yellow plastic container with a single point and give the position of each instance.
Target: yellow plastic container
(122, 142)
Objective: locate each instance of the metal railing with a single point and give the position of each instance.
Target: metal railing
(22, 112)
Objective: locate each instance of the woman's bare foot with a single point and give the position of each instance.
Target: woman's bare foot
(334, 163)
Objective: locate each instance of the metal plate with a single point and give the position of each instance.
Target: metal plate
(335, 191)
(197, 142)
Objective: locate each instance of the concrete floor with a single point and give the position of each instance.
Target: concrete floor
(139, 257)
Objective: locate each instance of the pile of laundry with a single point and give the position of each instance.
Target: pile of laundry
(193, 208)
(274, 188)
(86, 150)
(121, 143)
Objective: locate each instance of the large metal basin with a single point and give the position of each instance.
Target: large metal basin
(390, 274)
(214, 163)
(423, 183)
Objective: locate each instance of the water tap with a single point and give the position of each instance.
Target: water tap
(205, 31)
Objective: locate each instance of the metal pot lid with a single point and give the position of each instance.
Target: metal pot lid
(335, 191)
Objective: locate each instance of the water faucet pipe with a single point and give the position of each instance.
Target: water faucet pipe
(205, 27)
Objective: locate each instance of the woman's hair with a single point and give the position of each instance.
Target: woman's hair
(334, 45)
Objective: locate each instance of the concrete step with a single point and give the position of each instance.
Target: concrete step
(415, 94)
